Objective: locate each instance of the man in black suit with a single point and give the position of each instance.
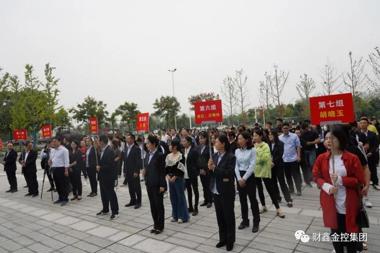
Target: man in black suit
(132, 167)
(107, 176)
(222, 167)
(372, 151)
(154, 173)
(91, 162)
(10, 167)
(204, 156)
(192, 169)
(29, 169)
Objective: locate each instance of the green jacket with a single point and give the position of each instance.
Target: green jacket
(263, 161)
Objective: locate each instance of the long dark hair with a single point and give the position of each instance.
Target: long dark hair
(274, 133)
(247, 136)
(224, 140)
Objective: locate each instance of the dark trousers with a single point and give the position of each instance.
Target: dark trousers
(207, 195)
(134, 188)
(292, 172)
(50, 177)
(192, 186)
(91, 172)
(339, 246)
(249, 191)
(61, 183)
(372, 165)
(84, 171)
(156, 200)
(270, 189)
(278, 177)
(108, 195)
(31, 181)
(225, 215)
(309, 157)
(76, 181)
(11, 175)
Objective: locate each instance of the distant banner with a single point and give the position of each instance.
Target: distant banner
(337, 108)
(142, 123)
(46, 131)
(20, 134)
(93, 122)
(208, 111)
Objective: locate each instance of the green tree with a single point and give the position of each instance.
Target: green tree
(202, 97)
(167, 108)
(128, 113)
(90, 107)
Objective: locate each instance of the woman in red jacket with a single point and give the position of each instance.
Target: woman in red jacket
(339, 175)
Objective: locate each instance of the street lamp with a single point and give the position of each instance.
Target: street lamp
(175, 116)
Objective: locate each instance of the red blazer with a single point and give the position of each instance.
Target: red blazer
(352, 182)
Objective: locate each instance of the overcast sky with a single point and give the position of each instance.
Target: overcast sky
(121, 50)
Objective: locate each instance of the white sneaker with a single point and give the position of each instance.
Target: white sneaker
(376, 187)
(367, 203)
(180, 221)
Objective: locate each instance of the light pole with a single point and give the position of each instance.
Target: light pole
(175, 116)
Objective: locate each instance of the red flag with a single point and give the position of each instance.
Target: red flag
(93, 122)
(208, 111)
(142, 122)
(20, 134)
(46, 131)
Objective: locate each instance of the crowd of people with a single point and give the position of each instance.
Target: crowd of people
(341, 160)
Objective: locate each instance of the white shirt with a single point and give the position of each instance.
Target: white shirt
(186, 175)
(340, 196)
(214, 189)
(26, 155)
(245, 161)
(129, 147)
(60, 157)
(87, 156)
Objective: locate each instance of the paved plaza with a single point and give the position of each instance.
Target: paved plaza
(34, 225)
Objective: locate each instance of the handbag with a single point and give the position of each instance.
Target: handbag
(362, 219)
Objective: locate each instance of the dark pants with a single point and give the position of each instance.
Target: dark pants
(61, 183)
(178, 200)
(108, 195)
(84, 171)
(292, 172)
(207, 195)
(192, 185)
(91, 172)
(31, 181)
(270, 189)
(76, 181)
(278, 177)
(249, 191)
(50, 177)
(134, 188)
(225, 216)
(308, 159)
(11, 175)
(372, 165)
(156, 200)
(339, 246)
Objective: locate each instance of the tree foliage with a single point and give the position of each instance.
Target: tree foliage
(167, 108)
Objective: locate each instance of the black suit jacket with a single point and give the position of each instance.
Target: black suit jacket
(30, 163)
(203, 157)
(132, 162)
(224, 175)
(10, 160)
(192, 163)
(277, 152)
(373, 144)
(91, 158)
(107, 172)
(155, 170)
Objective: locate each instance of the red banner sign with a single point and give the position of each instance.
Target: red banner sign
(142, 123)
(337, 108)
(93, 122)
(46, 131)
(1, 145)
(208, 111)
(20, 134)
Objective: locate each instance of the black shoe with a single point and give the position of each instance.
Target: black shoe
(153, 231)
(279, 200)
(74, 198)
(14, 190)
(137, 206)
(28, 194)
(157, 231)
(290, 204)
(64, 202)
(191, 210)
(25, 186)
(220, 244)
(195, 213)
(255, 229)
(51, 189)
(130, 204)
(229, 247)
(114, 216)
(34, 195)
(57, 202)
(9, 190)
(102, 213)
(209, 205)
(204, 204)
(243, 225)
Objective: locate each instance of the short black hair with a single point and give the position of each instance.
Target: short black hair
(189, 140)
(279, 119)
(103, 138)
(339, 132)
(259, 132)
(153, 139)
(204, 135)
(364, 118)
(132, 136)
(59, 138)
(247, 136)
(176, 144)
(224, 140)
(286, 124)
